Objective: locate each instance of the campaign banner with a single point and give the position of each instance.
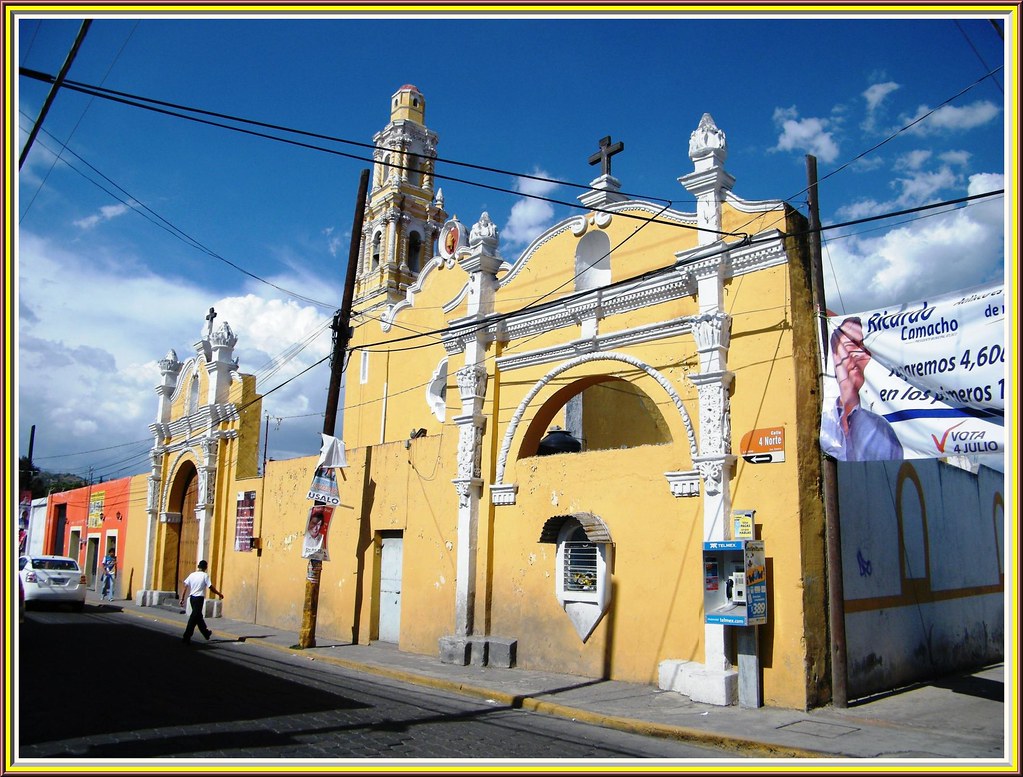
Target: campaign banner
(324, 487)
(96, 500)
(314, 544)
(924, 379)
(24, 520)
(244, 522)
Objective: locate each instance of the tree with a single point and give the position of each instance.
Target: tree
(40, 483)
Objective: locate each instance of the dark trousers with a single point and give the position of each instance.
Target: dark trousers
(196, 619)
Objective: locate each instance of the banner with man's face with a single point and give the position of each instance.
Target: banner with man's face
(924, 379)
(314, 544)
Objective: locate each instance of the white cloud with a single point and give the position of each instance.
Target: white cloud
(914, 160)
(956, 158)
(334, 242)
(809, 135)
(106, 213)
(951, 118)
(92, 329)
(917, 187)
(529, 216)
(875, 95)
(922, 187)
(942, 253)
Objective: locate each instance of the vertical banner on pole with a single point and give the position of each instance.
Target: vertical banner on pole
(314, 544)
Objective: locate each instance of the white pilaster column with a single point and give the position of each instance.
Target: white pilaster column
(481, 262)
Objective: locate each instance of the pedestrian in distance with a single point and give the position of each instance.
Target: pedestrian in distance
(194, 590)
(109, 576)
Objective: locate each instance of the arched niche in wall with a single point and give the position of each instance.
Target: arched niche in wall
(604, 412)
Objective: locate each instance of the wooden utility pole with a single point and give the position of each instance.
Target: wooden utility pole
(61, 77)
(342, 335)
(829, 467)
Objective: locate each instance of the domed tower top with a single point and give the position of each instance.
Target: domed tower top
(407, 104)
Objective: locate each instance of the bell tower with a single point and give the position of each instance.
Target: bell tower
(403, 216)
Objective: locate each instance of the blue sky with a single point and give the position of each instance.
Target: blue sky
(104, 292)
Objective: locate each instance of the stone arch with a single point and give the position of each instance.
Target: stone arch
(181, 536)
(909, 479)
(662, 381)
(656, 434)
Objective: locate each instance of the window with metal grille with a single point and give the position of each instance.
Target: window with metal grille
(580, 567)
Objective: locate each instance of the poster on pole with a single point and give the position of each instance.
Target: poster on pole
(324, 487)
(24, 520)
(924, 379)
(314, 544)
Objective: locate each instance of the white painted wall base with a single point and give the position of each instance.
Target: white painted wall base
(154, 598)
(213, 608)
(707, 686)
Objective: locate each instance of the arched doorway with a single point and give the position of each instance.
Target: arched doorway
(187, 550)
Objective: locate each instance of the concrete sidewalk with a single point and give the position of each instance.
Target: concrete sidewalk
(961, 717)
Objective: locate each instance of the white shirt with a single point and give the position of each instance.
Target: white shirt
(197, 583)
(870, 438)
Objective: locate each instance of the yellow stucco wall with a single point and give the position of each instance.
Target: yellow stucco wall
(386, 488)
(396, 485)
(134, 542)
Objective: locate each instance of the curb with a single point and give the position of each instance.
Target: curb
(746, 747)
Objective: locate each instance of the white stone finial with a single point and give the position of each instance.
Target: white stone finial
(170, 363)
(484, 229)
(223, 335)
(707, 138)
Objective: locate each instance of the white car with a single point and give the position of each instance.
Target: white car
(52, 579)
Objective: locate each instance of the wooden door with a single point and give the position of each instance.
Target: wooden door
(188, 537)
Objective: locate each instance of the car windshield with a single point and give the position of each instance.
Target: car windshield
(65, 564)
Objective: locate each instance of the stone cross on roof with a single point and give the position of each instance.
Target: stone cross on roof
(607, 150)
(209, 317)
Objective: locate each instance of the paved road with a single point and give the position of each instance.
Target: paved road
(104, 685)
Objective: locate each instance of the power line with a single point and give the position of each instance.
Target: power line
(890, 137)
(174, 110)
(533, 307)
(135, 205)
(530, 308)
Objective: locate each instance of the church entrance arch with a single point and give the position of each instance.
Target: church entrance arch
(183, 545)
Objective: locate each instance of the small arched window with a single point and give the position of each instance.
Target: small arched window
(375, 261)
(193, 396)
(415, 249)
(593, 262)
(583, 564)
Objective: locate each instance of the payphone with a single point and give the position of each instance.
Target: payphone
(735, 582)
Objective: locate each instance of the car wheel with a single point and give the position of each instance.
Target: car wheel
(77, 606)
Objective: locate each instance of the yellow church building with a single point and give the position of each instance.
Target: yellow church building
(535, 479)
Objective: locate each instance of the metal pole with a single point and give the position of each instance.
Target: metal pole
(829, 468)
(61, 76)
(342, 336)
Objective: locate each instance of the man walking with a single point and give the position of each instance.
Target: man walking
(194, 590)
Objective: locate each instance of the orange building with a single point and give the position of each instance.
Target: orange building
(87, 522)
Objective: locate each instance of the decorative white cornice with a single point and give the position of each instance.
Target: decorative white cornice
(603, 342)
(503, 493)
(202, 422)
(603, 302)
(713, 469)
(684, 484)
